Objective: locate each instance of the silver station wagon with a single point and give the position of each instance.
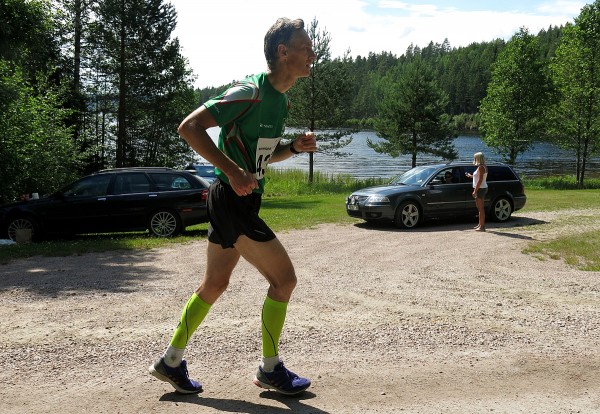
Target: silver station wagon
(438, 191)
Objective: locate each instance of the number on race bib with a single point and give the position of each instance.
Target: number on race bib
(264, 150)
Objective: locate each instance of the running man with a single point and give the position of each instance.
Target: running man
(251, 115)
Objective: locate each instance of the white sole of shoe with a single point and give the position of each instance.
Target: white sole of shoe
(163, 378)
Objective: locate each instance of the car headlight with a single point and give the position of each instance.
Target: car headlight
(377, 199)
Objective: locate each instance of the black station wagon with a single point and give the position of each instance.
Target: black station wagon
(438, 191)
(162, 200)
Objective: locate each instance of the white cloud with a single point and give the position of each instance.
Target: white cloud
(224, 41)
(569, 7)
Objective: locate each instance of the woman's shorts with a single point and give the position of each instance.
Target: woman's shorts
(231, 215)
(482, 192)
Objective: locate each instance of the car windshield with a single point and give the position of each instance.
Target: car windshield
(415, 176)
(205, 170)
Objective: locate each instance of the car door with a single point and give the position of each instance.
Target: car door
(80, 208)
(130, 201)
(180, 193)
(470, 207)
(446, 197)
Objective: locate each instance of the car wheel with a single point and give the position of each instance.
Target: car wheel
(501, 209)
(22, 223)
(408, 215)
(165, 223)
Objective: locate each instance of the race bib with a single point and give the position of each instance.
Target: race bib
(264, 150)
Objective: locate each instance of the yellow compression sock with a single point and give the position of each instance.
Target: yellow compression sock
(192, 316)
(273, 317)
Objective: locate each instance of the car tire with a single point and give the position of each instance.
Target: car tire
(501, 209)
(408, 215)
(22, 223)
(164, 223)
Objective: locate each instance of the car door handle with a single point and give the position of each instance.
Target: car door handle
(102, 199)
(152, 195)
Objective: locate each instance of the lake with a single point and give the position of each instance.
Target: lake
(541, 160)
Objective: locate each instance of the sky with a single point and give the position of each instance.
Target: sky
(223, 39)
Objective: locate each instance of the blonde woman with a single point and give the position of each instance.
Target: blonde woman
(480, 187)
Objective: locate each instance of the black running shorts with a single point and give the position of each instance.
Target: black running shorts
(231, 215)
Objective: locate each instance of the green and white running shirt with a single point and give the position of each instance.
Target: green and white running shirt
(252, 116)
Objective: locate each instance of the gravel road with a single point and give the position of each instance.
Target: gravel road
(440, 319)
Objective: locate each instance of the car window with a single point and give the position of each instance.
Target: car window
(93, 186)
(415, 176)
(470, 169)
(171, 182)
(131, 183)
(205, 170)
(446, 176)
(498, 173)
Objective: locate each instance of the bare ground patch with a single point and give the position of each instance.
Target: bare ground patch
(438, 319)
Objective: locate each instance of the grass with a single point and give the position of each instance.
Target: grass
(554, 200)
(578, 250)
(290, 203)
(565, 182)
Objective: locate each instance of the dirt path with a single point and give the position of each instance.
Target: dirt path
(437, 320)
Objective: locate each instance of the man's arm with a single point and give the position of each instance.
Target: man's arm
(193, 130)
(303, 143)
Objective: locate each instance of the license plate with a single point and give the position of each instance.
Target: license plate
(352, 206)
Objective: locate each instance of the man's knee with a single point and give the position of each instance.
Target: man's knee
(214, 287)
(285, 283)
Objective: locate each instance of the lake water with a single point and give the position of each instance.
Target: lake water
(542, 159)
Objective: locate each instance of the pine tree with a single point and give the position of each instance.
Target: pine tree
(411, 116)
(320, 101)
(144, 74)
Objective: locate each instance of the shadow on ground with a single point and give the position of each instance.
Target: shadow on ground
(455, 224)
(295, 404)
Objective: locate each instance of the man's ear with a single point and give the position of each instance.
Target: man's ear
(281, 51)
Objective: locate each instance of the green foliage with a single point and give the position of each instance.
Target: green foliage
(512, 113)
(463, 73)
(131, 86)
(146, 72)
(120, 69)
(320, 101)
(575, 118)
(411, 116)
(27, 36)
(36, 149)
(567, 182)
(466, 123)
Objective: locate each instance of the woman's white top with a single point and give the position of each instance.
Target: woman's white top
(476, 178)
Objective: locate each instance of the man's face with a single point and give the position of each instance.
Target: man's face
(300, 54)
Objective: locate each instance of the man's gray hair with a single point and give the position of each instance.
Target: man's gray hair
(280, 33)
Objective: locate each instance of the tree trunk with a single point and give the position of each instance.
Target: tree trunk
(77, 68)
(311, 157)
(583, 162)
(414, 149)
(312, 124)
(121, 113)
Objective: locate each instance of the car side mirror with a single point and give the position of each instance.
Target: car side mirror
(435, 182)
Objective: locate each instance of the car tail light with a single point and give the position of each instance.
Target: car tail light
(204, 194)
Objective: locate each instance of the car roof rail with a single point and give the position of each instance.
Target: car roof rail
(120, 169)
